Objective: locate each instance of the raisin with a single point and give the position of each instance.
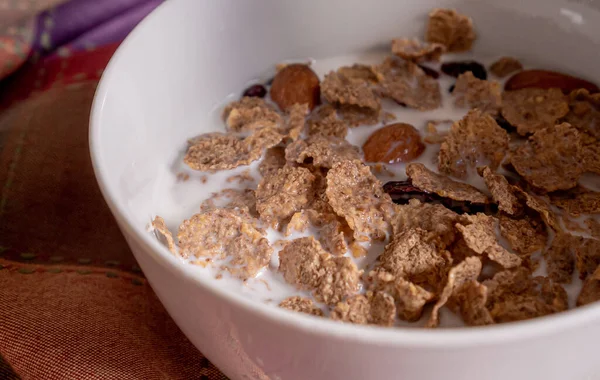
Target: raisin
(454, 69)
(504, 124)
(403, 191)
(399, 142)
(256, 91)
(429, 71)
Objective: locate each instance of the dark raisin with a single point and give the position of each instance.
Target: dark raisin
(403, 191)
(430, 72)
(451, 89)
(504, 124)
(256, 91)
(454, 69)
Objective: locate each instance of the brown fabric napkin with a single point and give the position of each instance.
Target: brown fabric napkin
(73, 303)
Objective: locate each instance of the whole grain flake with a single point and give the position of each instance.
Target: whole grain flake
(301, 305)
(376, 308)
(409, 298)
(251, 113)
(475, 140)
(532, 109)
(471, 92)
(465, 271)
(305, 264)
(412, 255)
(222, 234)
(163, 234)
(479, 234)
(325, 122)
(283, 193)
(414, 50)
(451, 29)
(357, 196)
(407, 84)
(443, 186)
(322, 151)
(551, 159)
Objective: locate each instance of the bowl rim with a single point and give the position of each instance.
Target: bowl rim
(383, 336)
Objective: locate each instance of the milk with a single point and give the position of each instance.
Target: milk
(177, 200)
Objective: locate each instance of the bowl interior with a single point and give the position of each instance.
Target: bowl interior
(168, 80)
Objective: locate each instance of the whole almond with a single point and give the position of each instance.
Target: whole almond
(296, 84)
(548, 79)
(398, 142)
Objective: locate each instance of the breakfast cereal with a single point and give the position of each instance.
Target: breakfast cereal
(392, 191)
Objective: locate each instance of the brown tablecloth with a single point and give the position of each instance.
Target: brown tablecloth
(73, 303)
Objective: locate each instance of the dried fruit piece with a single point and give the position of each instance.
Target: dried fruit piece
(577, 201)
(560, 258)
(219, 151)
(373, 308)
(301, 305)
(475, 140)
(393, 143)
(413, 256)
(281, 194)
(324, 152)
(501, 191)
(451, 29)
(590, 292)
(466, 271)
(587, 253)
(163, 234)
(356, 195)
(414, 50)
(255, 91)
(551, 158)
(455, 69)
(407, 84)
(532, 109)
(548, 79)
(429, 181)
(476, 93)
(224, 234)
(430, 72)
(409, 298)
(296, 84)
(478, 231)
(249, 114)
(505, 66)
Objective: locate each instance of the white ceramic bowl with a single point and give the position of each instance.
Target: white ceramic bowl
(182, 61)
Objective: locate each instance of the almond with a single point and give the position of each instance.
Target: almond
(296, 84)
(548, 79)
(398, 142)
